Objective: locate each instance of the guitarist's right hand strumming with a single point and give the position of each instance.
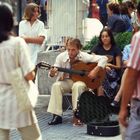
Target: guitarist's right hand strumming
(53, 71)
(94, 73)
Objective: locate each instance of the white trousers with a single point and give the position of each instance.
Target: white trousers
(27, 133)
(61, 87)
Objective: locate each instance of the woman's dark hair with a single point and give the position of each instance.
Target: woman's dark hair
(6, 22)
(124, 9)
(130, 4)
(110, 34)
(114, 7)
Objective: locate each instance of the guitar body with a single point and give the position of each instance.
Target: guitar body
(87, 67)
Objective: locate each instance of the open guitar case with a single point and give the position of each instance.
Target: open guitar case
(96, 112)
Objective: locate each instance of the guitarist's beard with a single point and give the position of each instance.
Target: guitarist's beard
(73, 58)
(72, 61)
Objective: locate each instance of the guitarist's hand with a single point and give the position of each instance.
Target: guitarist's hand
(107, 68)
(53, 71)
(94, 73)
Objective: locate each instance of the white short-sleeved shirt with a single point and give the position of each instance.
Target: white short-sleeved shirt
(10, 116)
(36, 30)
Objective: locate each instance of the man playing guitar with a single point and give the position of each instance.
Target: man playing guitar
(64, 83)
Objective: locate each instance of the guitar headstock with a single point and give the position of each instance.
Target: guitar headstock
(43, 65)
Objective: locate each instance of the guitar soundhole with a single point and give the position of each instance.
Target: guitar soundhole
(82, 73)
(93, 80)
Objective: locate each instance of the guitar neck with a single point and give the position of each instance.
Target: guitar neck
(44, 65)
(71, 71)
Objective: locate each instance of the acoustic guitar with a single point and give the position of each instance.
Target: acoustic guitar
(79, 72)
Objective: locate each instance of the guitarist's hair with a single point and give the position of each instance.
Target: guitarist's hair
(75, 42)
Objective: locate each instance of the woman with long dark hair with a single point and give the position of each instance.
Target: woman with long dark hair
(10, 114)
(107, 46)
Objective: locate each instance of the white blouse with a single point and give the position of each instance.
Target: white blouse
(10, 115)
(35, 30)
